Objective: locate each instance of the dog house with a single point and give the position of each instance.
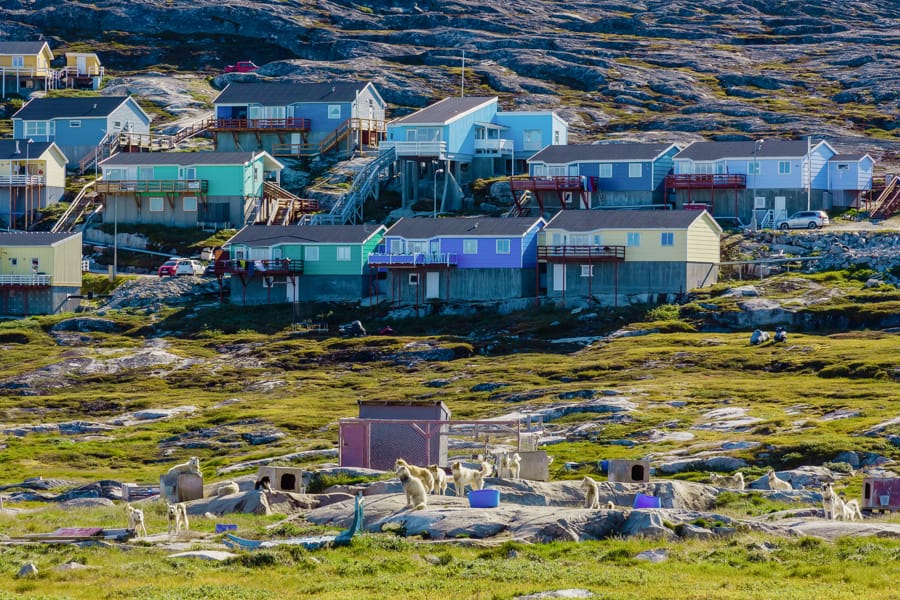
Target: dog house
(374, 441)
(629, 471)
(881, 493)
(285, 479)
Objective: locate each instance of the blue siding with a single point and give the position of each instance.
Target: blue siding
(460, 134)
(518, 122)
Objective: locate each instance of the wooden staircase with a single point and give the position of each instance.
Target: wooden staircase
(285, 206)
(888, 202)
(520, 208)
(83, 202)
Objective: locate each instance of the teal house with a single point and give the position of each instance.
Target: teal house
(273, 264)
(186, 189)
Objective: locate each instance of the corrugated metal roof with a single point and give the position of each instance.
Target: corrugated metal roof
(8, 149)
(21, 47)
(444, 111)
(590, 220)
(600, 152)
(283, 94)
(41, 109)
(721, 150)
(176, 158)
(33, 238)
(425, 228)
(274, 235)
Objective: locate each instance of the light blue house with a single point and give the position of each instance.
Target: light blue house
(186, 189)
(763, 179)
(298, 119)
(79, 126)
(850, 178)
(459, 258)
(460, 139)
(608, 175)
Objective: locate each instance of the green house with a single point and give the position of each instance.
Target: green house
(276, 264)
(185, 189)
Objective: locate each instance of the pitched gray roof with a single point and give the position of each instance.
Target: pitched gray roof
(444, 111)
(767, 149)
(283, 94)
(848, 157)
(590, 220)
(41, 109)
(177, 158)
(425, 228)
(599, 152)
(274, 235)
(21, 47)
(8, 149)
(33, 238)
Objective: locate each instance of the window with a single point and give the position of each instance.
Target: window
(531, 136)
(18, 62)
(557, 171)
(634, 238)
(605, 169)
(843, 167)
(38, 128)
(753, 168)
(502, 246)
(596, 239)
(189, 204)
(14, 261)
(635, 170)
(117, 124)
(311, 253)
(75, 124)
(470, 246)
(413, 279)
(156, 204)
(540, 170)
(334, 111)
(587, 270)
(784, 167)
(396, 246)
(343, 253)
(556, 138)
(667, 238)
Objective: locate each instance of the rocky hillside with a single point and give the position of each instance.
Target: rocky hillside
(653, 70)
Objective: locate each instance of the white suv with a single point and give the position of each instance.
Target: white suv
(805, 219)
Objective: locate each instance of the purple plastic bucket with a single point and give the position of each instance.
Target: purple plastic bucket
(642, 501)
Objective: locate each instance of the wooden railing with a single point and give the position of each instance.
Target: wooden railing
(76, 209)
(582, 252)
(412, 259)
(150, 186)
(278, 266)
(549, 184)
(293, 123)
(706, 181)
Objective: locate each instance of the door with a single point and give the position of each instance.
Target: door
(559, 278)
(432, 285)
(354, 445)
(81, 65)
(780, 208)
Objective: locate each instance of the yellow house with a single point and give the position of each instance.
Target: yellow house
(82, 70)
(627, 256)
(25, 67)
(32, 177)
(39, 271)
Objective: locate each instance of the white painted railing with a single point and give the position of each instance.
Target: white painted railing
(438, 149)
(36, 280)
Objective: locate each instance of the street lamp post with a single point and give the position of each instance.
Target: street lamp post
(27, 178)
(756, 147)
(434, 195)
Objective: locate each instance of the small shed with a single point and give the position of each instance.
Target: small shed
(629, 471)
(388, 430)
(881, 493)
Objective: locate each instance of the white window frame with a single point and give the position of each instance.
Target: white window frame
(75, 124)
(189, 204)
(396, 246)
(311, 254)
(843, 167)
(343, 253)
(470, 246)
(501, 243)
(633, 239)
(334, 111)
(753, 167)
(587, 270)
(18, 61)
(605, 170)
(635, 170)
(39, 128)
(413, 279)
(667, 238)
(156, 204)
(784, 167)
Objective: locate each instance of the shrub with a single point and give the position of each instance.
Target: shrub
(839, 467)
(664, 312)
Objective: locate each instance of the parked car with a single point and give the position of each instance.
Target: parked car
(180, 266)
(805, 219)
(242, 66)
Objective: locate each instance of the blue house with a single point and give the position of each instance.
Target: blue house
(849, 178)
(79, 126)
(298, 119)
(766, 180)
(608, 175)
(459, 258)
(460, 139)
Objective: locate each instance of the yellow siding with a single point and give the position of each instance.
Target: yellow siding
(91, 62)
(649, 250)
(62, 262)
(704, 242)
(38, 62)
(67, 262)
(54, 167)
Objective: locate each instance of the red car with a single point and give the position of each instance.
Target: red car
(241, 66)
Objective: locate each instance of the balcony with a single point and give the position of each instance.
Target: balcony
(22, 180)
(35, 280)
(549, 184)
(412, 260)
(152, 186)
(288, 124)
(588, 253)
(494, 147)
(278, 266)
(423, 149)
(706, 181)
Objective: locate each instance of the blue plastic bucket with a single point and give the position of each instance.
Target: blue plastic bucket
(642, 501)
(484, 499)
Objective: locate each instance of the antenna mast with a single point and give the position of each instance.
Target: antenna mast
(462, 76)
